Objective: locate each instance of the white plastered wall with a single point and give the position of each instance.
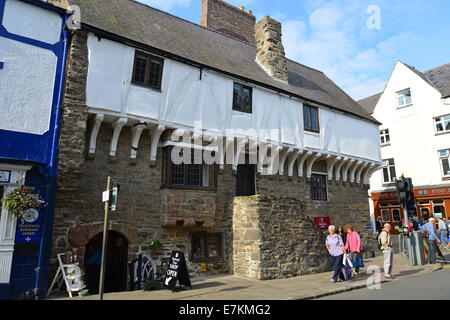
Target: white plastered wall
(414, 144)
(185, 99)
(28, 74)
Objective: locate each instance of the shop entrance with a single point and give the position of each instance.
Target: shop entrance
(116, 263)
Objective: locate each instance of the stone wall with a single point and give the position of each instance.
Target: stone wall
(145, 210)
(274, 238)
(347, 203)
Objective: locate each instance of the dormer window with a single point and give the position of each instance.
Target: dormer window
(404, 98)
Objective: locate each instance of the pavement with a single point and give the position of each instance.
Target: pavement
(230, 287)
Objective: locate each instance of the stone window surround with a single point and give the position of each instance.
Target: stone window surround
(204, 236)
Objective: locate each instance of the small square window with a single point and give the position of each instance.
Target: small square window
(206, 246)
(384, 137)
(311, 118)
(396, 215)
(242, 98)
(385, 215)
(404, 97)
(389, 175)
(442, 124)
(147, 70)
(445, 164)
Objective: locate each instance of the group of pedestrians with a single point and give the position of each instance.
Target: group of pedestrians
(342, 243)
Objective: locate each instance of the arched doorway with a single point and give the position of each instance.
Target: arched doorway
(116, 263)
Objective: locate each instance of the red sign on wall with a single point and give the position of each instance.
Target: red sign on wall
(322, 222)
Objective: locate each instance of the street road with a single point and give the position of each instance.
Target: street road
(431, 286)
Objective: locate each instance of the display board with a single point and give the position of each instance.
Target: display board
(176, 271)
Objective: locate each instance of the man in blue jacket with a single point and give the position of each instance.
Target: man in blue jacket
(432, 238)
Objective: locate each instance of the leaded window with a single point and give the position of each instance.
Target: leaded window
(147, 70)
(193, 174)
(242, 98)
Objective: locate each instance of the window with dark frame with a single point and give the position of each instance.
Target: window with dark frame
(319, 187)
(147, 70)
(201, 176)
(242, 98)
(311, 118)
(206, 246)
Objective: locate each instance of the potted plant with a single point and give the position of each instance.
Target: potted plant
(21, 199)
(155, 245)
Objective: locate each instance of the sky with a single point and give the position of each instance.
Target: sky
(356, 43)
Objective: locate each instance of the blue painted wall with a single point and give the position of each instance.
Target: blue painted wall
(31, 259)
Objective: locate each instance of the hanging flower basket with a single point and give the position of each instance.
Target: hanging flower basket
(21, 199)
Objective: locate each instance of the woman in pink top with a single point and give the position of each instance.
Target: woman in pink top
(353, 245)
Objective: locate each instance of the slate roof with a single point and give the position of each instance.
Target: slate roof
(369, 103)
(440, 78)
(157, 29)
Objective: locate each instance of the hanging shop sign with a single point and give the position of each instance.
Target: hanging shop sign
(29, 226)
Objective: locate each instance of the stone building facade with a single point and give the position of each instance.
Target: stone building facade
(114, 127)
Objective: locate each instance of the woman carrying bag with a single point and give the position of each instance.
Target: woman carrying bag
(354, 247)
(336, 248)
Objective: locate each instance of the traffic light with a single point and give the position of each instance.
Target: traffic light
(405, 192)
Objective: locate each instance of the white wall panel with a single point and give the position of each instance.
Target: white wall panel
(26, 86)
(32, 22)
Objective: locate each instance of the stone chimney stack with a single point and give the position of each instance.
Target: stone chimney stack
(64, 4)
(270, 51)
(223, 17)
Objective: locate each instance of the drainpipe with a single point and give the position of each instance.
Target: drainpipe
(53, 172)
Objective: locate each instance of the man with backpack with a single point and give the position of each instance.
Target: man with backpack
(385, 244)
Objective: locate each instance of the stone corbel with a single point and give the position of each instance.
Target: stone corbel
(117, 126)
(353, 170)
(94, 132)
(310, 162)
(284, 155)
(136, 132)
(330, 166)
(155, 134)
(345, 169)
(337, 169)
(292, 159)
(360, 171)
(301, 161)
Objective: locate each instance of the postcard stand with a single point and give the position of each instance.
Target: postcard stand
(70, 274)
